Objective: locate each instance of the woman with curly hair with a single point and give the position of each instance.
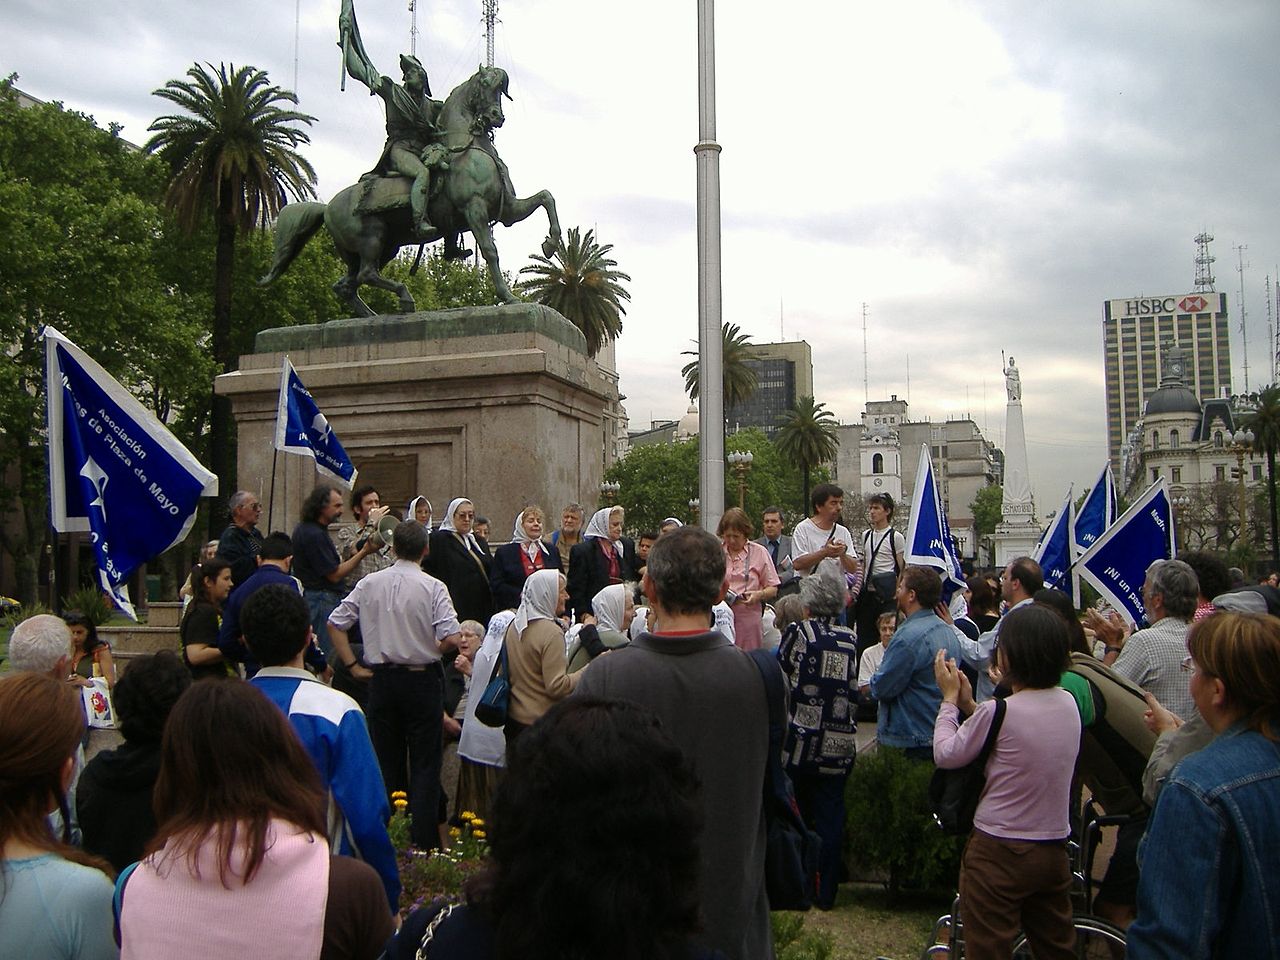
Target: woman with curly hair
(90, 654)
(55, 901)
(594, 843)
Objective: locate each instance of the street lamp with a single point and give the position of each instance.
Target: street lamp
(695, 507)
(741, 463)
(1180, 504)
(609, 492)
(1242, 443)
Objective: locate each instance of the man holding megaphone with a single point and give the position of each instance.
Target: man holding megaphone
(369, 513)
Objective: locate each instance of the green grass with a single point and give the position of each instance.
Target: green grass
(866, 924)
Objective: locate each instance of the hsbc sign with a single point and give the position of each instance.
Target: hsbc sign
(1150, 306)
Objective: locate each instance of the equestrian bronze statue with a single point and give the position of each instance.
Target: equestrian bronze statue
(439, 176)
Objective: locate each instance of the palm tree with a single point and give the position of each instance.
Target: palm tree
(1265, 424)
(579, 281)
(807, 437)
(739, 379)
(232, 154)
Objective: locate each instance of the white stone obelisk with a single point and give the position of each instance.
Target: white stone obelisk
(1017, 533)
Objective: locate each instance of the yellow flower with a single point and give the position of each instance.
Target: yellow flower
(401, 803)
(477, 822)
(455, 832)
(468, 815)
(399, 795)
(479, 834)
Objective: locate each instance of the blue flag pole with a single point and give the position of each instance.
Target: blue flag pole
(1117, 562)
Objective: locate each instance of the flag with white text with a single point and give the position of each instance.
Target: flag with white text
(302, 429)
(1054, 552)
(115, 471)
(1098, 511)
(1117, 562)
(929, 542)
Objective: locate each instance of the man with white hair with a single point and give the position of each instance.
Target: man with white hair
(241, 542)
(41, 644)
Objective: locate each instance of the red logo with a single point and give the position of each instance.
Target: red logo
(1192, 304)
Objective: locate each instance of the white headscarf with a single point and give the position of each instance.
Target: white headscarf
(447, 523)
(676, 520)
(610, 606)
(411, 510)
(598, 528)
(527, 543)
(539, 598)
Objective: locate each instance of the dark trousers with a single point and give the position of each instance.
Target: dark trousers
(868, 610)
(1012, 885)
(821, 800)
(405, 709)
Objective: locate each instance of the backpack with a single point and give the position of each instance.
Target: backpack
(1115, 748)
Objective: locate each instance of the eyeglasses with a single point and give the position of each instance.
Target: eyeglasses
(464, 516)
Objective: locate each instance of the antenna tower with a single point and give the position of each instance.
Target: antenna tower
(1240, 248)
(866, 392)
(1204, 262)
(413, 28)
(297, 23)
(1271, 323)
(1275, 375)
(490, 21)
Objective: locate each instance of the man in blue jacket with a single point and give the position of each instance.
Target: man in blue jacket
(904, 685)
(277, 627)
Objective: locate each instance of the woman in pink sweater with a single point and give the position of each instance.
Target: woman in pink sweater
(1015, 873)
(240, 866)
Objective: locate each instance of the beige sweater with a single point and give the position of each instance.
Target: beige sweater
(537, 663)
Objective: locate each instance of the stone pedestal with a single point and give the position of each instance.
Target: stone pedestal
(498, 404)
(1014, 540)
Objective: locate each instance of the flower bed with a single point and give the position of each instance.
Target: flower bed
(427, 875)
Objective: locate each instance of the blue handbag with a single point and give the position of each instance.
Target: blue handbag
(491, 709)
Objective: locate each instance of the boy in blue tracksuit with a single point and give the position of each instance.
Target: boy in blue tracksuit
(277, 629)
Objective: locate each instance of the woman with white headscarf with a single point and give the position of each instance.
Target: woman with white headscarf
(535, 652)
(459, 561)
(606, 629)
(515, 562)
(604, 557)
(419, 509)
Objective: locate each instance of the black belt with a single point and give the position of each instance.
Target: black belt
(405, 667)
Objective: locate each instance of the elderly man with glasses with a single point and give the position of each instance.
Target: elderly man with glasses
(241, 542)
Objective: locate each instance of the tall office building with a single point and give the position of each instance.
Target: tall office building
(1133, 333)
(784, 373)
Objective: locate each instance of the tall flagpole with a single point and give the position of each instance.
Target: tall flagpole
(710, 339)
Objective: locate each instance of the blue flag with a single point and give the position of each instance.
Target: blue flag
(302, 429)
(115, 471)
(1054, 551)
(929, 542)
(1117, 562)
(1098, 512)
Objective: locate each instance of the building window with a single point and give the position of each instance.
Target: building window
(1175, 474)
(1174, 439)
(1220, 472)
(1155, 474)
(1257, 471)
(1155, 439)
(877, 463)
(1217, 441)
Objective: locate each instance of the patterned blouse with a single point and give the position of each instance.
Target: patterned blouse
(820, 660)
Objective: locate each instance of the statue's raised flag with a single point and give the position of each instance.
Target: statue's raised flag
(115, 471)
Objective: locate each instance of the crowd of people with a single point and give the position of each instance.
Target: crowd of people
(323, 670)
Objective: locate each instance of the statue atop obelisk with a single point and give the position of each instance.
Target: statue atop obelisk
(1017, 533)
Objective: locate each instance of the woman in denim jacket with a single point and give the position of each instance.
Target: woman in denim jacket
(1210, 877)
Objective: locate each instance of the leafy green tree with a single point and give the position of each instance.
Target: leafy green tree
(807, 438)
(986, 507)
(739, 379)
(581, 282)
(87, 249)
(1265, 424)
(233, 155)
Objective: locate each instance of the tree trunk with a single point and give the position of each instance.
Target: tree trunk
(220, 422)
(804, 504)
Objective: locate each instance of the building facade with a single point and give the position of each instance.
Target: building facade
(784, 374)
(1133, 333)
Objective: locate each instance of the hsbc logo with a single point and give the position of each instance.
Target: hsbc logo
(1192, 304)
(1150, 306)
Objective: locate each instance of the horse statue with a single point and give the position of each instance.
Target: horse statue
(371, 220)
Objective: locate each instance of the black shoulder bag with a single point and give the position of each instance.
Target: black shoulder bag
(954, 794)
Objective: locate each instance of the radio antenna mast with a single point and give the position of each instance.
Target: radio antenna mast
(866, 393)
(413, 28)
(490, 21)
(1240, 248)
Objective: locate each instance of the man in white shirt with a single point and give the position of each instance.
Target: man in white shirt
(1018, 585)
(821, 545)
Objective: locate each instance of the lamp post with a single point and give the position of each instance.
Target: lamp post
(695, 508)
(1180, 504)
(741, 463)
(609, 492)
(1242, 443)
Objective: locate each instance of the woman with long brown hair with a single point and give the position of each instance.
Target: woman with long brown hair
(202, 618)
(55, 901)
(240, 865)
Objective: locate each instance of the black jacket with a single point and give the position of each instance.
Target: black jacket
(589, 572)
(451, 562)
(507, 576)
(113, 802)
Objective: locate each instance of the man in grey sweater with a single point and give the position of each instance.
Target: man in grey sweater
(711, 700)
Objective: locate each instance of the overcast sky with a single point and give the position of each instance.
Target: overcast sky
(982, 175)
